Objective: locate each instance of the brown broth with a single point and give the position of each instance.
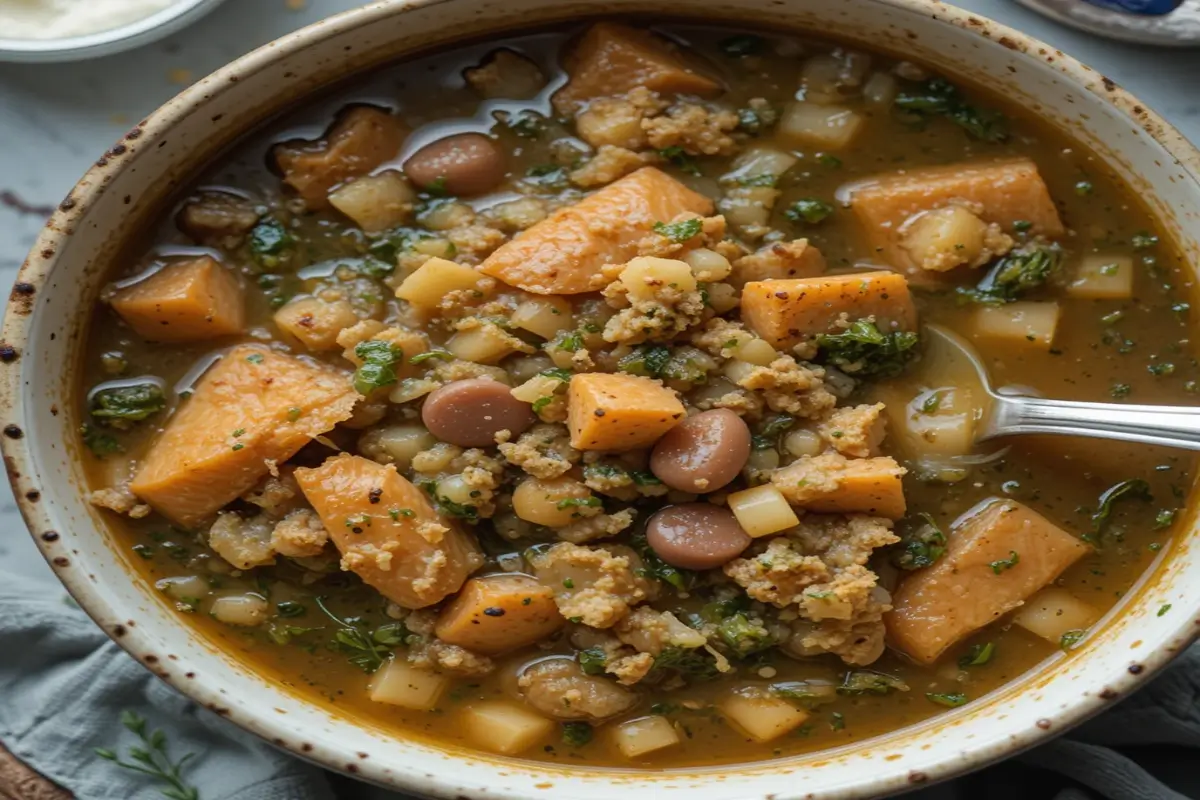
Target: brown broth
(1093, 354)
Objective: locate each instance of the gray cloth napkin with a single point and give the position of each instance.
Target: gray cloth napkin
(64, 686)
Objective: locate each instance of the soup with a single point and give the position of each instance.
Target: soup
(617, 406)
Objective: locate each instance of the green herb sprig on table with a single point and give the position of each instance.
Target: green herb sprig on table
(153, 759)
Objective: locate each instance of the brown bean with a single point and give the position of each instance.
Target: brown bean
(462, 165)
(470, 413)
(702, 453)
(696, 536)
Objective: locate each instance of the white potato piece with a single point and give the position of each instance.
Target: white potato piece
(536, 388)
(748, 209)
(400, 684)
(486, 344)
(762, 510)
(396, 444)
(637, 737)
(881, 89)
(246, 610)
(544, 316)
(758, 352)
(1052, 612)
(757, 164)
(505, 728)
(708, 265)
(1029, 322)
(944, 238)
(759, 714)
(828, 127)
(375, 202)
(435, 279)
(642, 277)
(1103, 277)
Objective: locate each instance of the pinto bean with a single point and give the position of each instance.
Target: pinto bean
(696, 536)
(470, 413)
(702, 453)
(462, 165)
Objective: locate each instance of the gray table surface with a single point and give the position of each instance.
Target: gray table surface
(56, 119)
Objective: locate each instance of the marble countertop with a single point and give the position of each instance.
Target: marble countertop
(56, 119)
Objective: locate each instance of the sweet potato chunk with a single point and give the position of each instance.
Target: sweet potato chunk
(834, 484)
(499, 612)
(1004, 192)
(186, 301)
(387, 531)
(785, 311)
(611, 59)
(999, 554)
(619, 412)
(362, 138)
(253, 408)
(563, 253)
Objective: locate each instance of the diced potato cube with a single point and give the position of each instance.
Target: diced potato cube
(944, 238)
(642, 277)
(544, 316)
(619, 412)
(758, 163)
(611, 59)
(637, 737)
(1005, 192)
(314, 322)
(499, 612)
(999, 554)
(834, 484)
(435, 279)
(487, 344)
(757, 352)
(1052, 612)
(1102, 277)
(564, 253)
(399, 684)
(246, 610)
(760, 715)
(762, 510)
(183, 302)
(505, 728)
(1021, 322)
(707, 265)
(820, 126)
(375, 202)
(785, 311)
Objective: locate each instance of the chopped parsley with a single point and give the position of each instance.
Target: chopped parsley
(378, 367)
(679, 157)
(809, 210)
(938, 97)
(681, 231)
(922, 544)
(1102, 516)
(119, 406)
(576, 734)
(1019, 272)
(1003, 564)
(950, 700)
(862, 349)
(1070, 640)
(978, 655)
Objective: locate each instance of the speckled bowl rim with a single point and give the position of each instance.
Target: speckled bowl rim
(874, 777)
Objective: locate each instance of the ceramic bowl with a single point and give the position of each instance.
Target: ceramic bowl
(51, 303)
(149, 28)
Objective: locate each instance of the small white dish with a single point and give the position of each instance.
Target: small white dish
(133, 34)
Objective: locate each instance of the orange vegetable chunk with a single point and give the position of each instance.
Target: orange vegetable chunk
(834, 484)
(1003, 192)
(388, 532)
(499, 612)
(785, 311)
(563, 253)
(619, 412)
(186, 301)
(979, 580)
(612, 59)
(200, 462)
(360, 140)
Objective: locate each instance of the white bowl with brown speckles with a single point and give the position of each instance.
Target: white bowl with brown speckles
(52, 301)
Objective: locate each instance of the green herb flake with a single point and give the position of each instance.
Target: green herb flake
(938, 97)
(1119, 390)
(679, 232)
(1143, 241)
(428, 355)
(1070, 640)
(1022, 226)
(1163, 609)
(921, 545)
(1017, 273)
(831, 161)
(1005, 563)
(978, 655)
(268, 241)
(646, 360)
(593, 661)
(378, 368)
(576, 734)
(100, 443)
(809, 210)
(679, 157)
(1084, 188)
(951, 700)
(119, 406)
(255, 358)
(1130, 489)
(577, 502)
(867, 682)
(1165, 518)
(863, 350)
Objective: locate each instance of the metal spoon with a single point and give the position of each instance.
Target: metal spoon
(1008, 412)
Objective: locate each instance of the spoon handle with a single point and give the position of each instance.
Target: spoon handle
(1170, 426)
